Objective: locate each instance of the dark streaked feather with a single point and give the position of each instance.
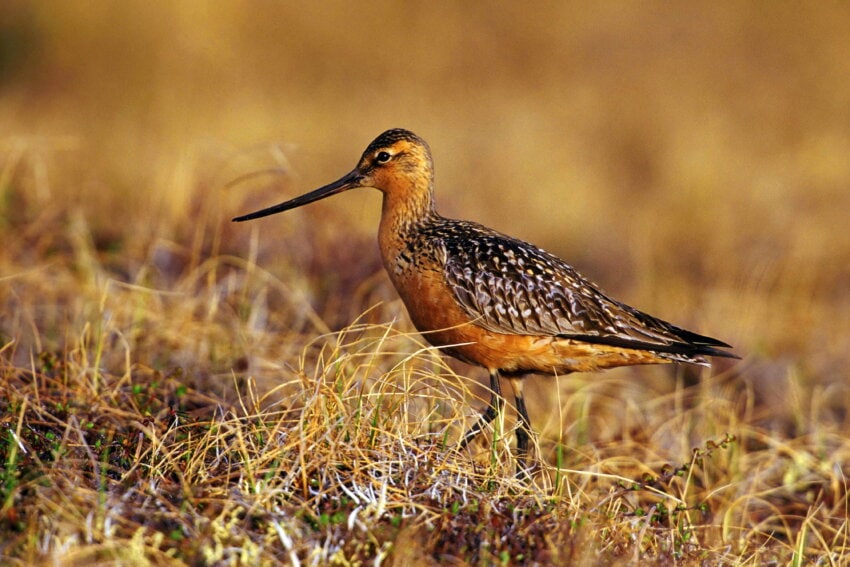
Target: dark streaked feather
(508, 286)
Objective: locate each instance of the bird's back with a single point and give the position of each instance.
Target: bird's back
(509, 287)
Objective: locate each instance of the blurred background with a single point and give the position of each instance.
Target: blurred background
(692, 158)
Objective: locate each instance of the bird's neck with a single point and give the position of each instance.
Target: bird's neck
(403, 218)
(407, 211)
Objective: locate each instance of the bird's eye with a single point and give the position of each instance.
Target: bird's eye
(383, 157)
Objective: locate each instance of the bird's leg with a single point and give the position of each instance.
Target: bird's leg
(523, 432)
(497, 404)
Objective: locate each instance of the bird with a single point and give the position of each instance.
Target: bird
(494, 301)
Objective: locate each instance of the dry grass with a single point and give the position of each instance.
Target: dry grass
(180, 390)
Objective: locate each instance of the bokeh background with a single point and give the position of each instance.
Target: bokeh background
(692, 158)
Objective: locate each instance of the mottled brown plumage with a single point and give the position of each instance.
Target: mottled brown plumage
(492, 300)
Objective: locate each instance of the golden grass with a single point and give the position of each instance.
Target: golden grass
(195, 425)
(180, 390)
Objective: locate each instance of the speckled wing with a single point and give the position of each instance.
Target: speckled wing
(508, 286)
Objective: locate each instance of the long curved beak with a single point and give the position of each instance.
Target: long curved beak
(349, 181)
